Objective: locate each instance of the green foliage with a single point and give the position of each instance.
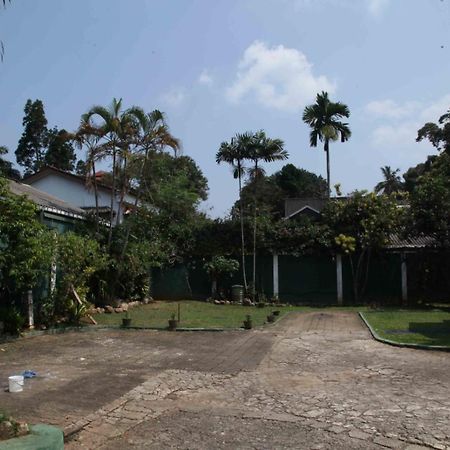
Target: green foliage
(430, 201)
(30, 151)
(391, 183)
(221, 266)
(26, 252)
(60, 152)
(438, 135)
(6, 167)
(12, 320)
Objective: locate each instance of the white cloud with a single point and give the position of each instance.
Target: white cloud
(205, 78)
(404, 121)
(277, 77)
(175, 97)
(390, 109)
(377, 7)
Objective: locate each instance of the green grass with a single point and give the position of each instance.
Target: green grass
(195, 314)
(412, 327)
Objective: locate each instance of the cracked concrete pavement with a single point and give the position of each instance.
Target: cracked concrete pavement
(312, 381)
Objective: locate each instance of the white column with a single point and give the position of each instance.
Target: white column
(404, 280)
(340, 290)
(276, 290)
(30, 309)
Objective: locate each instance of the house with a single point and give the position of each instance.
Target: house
(54, 212)
(307, 206)
(74, 189)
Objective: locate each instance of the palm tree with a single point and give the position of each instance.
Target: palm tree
(324, 119)
(234, 153)
(116, 127)
(391, 183)
(261, 149)
(89, 136)
(152, 135)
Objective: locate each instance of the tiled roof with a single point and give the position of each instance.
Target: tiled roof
(398, 241)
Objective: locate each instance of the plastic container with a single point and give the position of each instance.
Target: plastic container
(15, 383)
(237, 293)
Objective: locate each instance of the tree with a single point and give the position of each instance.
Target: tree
(60, 152)
(413, 174)
(324, 118)
(361, 224)
(30, 152)
(439, 136)
(218, 267)
(235, 153)
(261, 149)
(391, 183)
(6, 168)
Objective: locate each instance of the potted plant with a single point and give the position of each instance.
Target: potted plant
(248, 322)
(173, 322)
(126, 321)
(270, 318)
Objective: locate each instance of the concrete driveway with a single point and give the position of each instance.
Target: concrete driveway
(312, 381)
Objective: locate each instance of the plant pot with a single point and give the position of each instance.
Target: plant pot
(276, 313)
(248, 324)
(271, 318)
(126, 322)
(173, 324)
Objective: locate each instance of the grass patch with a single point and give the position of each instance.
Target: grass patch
(193, 315)
(412, 327)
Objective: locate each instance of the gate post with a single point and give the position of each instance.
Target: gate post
(404, 280)
(340, 293)
(276, 290)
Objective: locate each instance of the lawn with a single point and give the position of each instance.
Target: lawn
(194, 314)
(412, 327)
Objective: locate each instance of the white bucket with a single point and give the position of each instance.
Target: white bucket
(15, 383)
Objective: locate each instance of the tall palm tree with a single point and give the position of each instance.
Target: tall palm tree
(235, 153)
(152, 135)
(116, 126)
(324, 119)
(391, 183)
(261, 149)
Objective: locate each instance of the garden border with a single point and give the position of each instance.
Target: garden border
(378, 338)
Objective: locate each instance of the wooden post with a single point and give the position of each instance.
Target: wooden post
(30, 309)
(340, 290)
(404, 280)
(276, 287)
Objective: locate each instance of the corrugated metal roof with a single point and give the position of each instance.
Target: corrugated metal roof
(398, 241)
(46, 201)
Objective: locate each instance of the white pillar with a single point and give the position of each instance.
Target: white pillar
(340, 290)
(30, 309)
(404, 280)
(276, 290)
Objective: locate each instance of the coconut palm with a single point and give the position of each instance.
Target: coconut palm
(235, 153)
(391, 183)
(261, 149)
(324, 119)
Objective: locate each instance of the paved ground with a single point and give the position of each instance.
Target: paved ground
(312, 381)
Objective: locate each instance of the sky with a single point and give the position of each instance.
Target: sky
(220, 67)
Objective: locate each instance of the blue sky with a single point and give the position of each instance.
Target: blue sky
(226, 66)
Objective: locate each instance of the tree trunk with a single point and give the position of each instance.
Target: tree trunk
(123, 189)
(241, 213)
(97, 213)
(327, 151)
(113, 195)
(254, 235)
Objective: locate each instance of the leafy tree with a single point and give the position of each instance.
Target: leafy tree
(6, 168)
(430, 201)
(25, 254)
(391, 183)
(60, 152)
(218, 267)
(439, 136)
(30, 152)
(324, 118)
(412, 175)
(361, 224)
(235, 153)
